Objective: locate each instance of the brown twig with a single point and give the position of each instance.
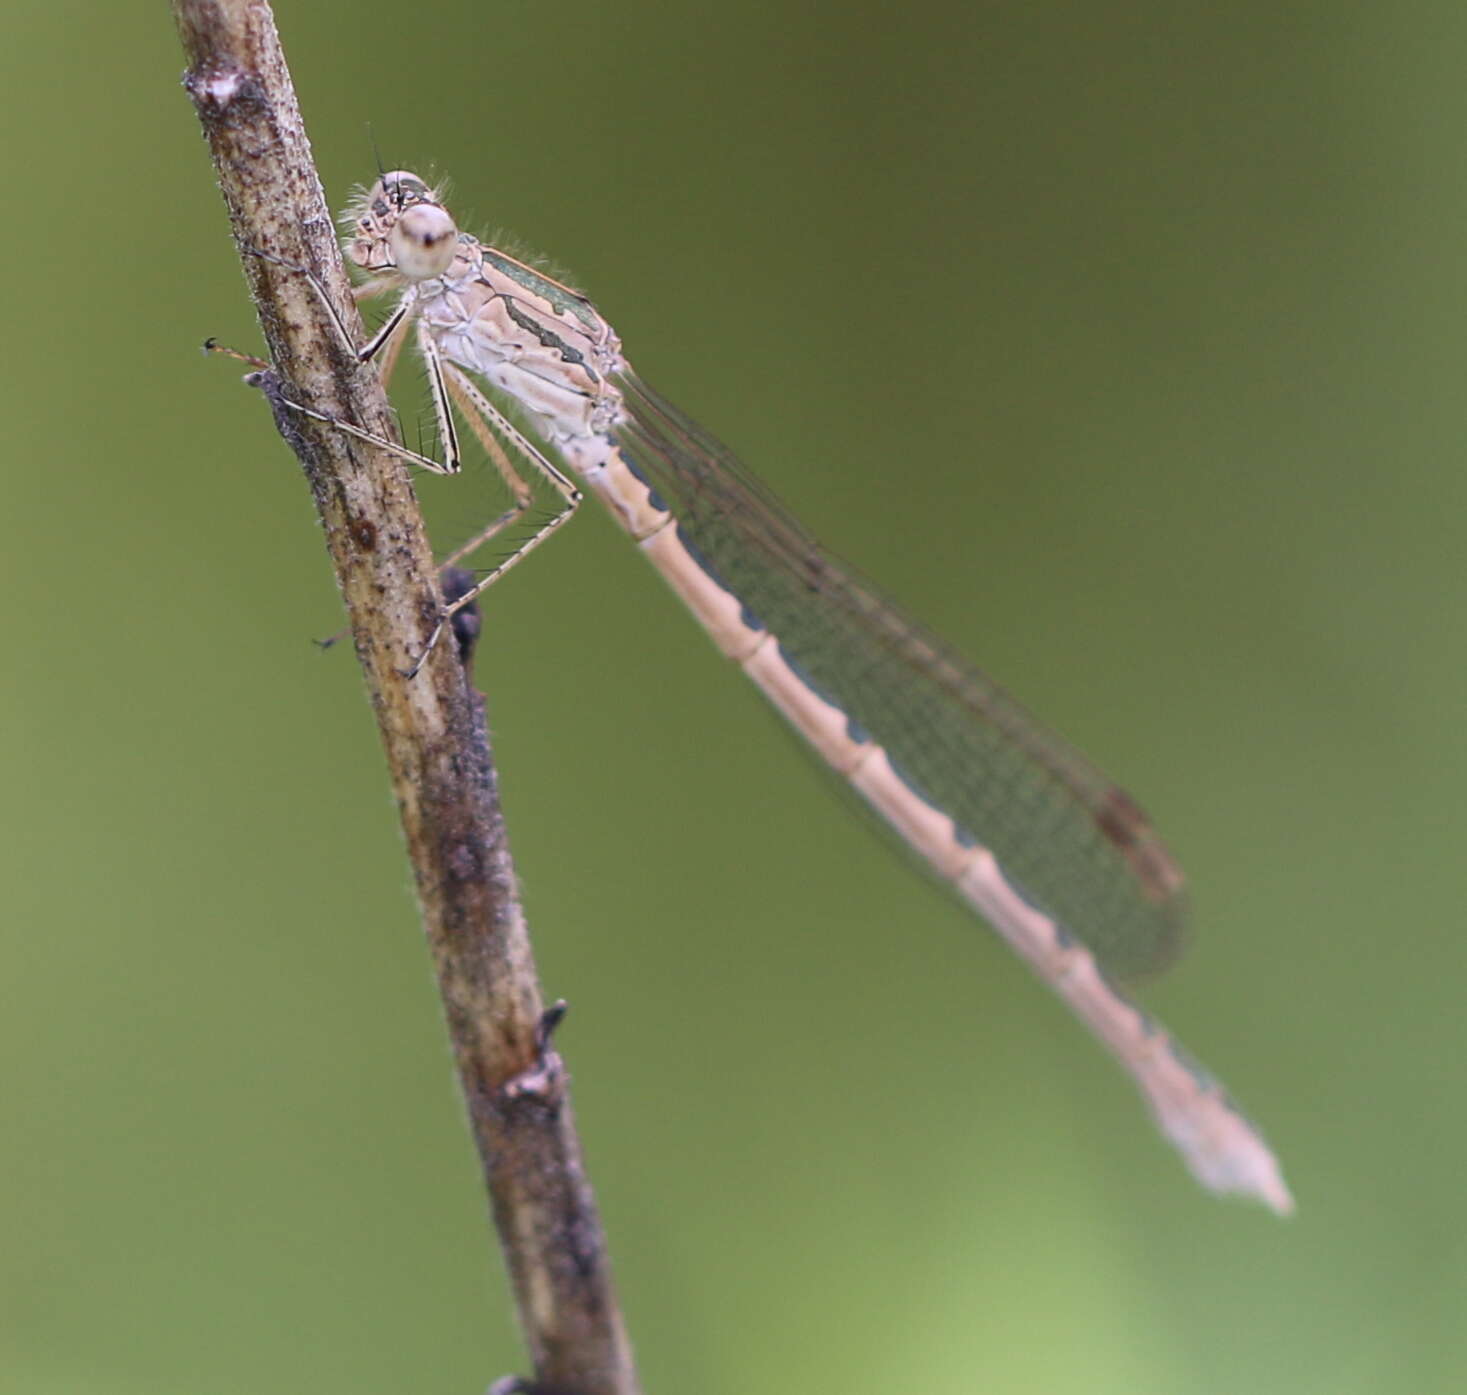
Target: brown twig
(432, 726)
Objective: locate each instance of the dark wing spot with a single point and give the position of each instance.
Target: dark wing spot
(1127, 828)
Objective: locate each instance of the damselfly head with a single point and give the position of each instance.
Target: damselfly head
(399, 225)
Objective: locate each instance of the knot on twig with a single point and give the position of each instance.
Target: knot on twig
(545, 1080)
(217, 86)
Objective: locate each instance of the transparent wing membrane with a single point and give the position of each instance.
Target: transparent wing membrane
(1071, 841)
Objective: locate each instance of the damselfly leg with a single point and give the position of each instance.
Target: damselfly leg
(448, 386)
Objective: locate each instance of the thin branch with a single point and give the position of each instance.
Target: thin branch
(432, 726)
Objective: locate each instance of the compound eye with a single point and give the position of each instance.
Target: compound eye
(423, 241)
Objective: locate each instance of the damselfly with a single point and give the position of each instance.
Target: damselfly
(1056, 858)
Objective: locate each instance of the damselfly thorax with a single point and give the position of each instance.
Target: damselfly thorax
(536, 340)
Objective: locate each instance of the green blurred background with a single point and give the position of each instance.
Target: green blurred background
(1122, 342)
